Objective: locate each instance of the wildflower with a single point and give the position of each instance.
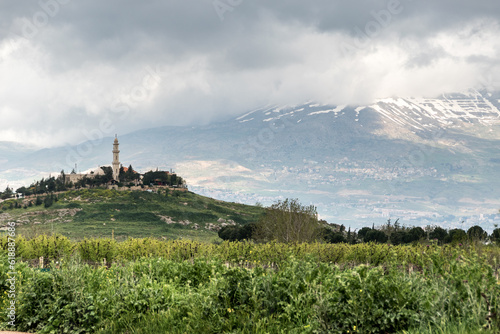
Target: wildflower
(354, 328)
(360, 290)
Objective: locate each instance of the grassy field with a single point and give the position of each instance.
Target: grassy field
(102, 212)
(176, 286)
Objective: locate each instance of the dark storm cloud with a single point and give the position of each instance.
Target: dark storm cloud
(130, 30)
(111, 29)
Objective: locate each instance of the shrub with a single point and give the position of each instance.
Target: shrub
(495, 236)
(363, 231)
(375, 236)
(51, 248)
(455, 236)
(96, 250)
(236, 233)
(333, 237)
(399, 237)
(414, 234)
(438, 233)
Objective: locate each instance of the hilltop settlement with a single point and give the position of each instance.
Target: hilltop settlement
(113, 177)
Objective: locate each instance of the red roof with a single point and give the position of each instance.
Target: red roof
(125, 169)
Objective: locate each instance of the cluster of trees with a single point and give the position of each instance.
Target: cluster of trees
(396, 234)
(237, 233)
(44, 186)
(129, 175)
(286, 221)
(47, 201)
(7, 193)
(95, 180)
(289, 221)
(162, 178)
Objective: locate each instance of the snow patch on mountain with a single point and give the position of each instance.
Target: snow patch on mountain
(450, 110)
(334, 110)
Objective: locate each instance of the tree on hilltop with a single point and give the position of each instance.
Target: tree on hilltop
(128, 175)
(7, 193)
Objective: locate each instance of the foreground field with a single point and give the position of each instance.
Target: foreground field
(150, 286)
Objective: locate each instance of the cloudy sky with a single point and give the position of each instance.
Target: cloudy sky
(72, 70)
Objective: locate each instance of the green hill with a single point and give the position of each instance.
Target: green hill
(103, 212)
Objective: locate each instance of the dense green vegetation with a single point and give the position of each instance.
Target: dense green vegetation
(152, 286)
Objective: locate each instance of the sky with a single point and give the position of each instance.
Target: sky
(77, 70)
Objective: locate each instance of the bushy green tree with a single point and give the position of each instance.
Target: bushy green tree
(289, 221)
(414, 234)
(398, 237)
(477, 233)
(362, 232)
(155, 177)
(48, 201)
(129, 175)
(438, 233)
(7, 193)
(495, 236)
(456, 235)
(375, 236)
(333, 237)
(24, 191)
(237, 233)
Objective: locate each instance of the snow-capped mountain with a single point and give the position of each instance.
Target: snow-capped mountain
(426, 161)
(450, 111)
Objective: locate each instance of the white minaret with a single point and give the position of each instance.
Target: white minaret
(116, 160)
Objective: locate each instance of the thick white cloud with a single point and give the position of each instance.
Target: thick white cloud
(66, 66)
